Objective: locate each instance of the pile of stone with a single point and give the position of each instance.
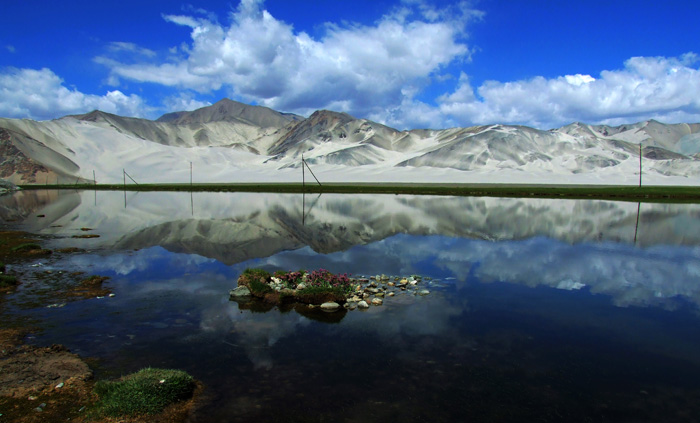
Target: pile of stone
(368, 291)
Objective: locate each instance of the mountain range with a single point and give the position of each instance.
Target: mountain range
(234, 142)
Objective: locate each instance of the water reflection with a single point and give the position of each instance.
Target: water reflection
(234, 227)
(531, 301)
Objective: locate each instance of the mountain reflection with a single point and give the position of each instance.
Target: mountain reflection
(235, 227)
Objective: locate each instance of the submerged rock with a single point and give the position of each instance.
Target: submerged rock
(377, 301)
(241, 291)
(330, 306)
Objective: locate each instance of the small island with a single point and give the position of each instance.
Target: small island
(322, 288)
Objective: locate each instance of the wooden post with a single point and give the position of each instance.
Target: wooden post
(190, 175)
(303, 175)
(640, 164)
(94, 180)
(636, 225)
(312, 173)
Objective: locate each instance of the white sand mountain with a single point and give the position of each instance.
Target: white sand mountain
(234, 142)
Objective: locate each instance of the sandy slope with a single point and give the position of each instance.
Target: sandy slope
(224, 143)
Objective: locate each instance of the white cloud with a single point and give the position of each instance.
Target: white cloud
(647, 87)
(10, 48)
(41, 94)
(360, 69)
(131, 48)
(183, 102)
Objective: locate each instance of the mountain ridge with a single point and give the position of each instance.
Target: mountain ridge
(233, 140)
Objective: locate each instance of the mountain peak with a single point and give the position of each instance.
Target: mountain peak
(227, 110)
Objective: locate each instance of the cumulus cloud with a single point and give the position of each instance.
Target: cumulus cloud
(360, 69)
(41, 94)
(183, 102)
(646, 87)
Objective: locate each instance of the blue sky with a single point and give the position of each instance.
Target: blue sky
(405, 63)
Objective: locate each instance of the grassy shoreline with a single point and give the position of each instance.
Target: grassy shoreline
(690, 194)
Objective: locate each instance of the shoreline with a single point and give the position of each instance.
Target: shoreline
(49, 382)
(651, 193)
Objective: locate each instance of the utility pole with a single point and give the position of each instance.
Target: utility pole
(640, 164)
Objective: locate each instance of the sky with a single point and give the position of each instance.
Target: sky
(405, 63)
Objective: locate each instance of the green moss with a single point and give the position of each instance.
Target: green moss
(28, 246)
(7, 281)
(147, 391)
(320, 295)
(258, 287)
(256, 274)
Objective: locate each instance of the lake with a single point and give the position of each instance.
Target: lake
(539, 310)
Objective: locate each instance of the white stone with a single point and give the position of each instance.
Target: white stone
(363, 304)
(330, 306)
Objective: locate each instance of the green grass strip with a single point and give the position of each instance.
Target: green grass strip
(615, 192)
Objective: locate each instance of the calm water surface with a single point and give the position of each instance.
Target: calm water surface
(540, 310)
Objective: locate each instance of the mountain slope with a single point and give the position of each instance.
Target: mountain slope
(227, 110)
(234, 142)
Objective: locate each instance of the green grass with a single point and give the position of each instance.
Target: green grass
(257, 287)
(626, 192)
(147, 391)
(255, 273)
(8, 281)
(28, 246)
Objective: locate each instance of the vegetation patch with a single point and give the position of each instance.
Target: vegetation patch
(90, 287)
(7, 281)
(646, 193)
(148, 391)
(27, 246)
(315, 287)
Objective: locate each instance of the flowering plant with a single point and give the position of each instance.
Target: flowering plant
(290, 279)
(323, 278)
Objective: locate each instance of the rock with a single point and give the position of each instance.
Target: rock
(301, 286)
(377, 301)
(391, 294)
(391, 284)
(373, 284)
(403, 282)
(423, 292)
(365, 295)
(239, 292)
(384, 278)
(372, 290)
(330, 306)
(355, 298)
(350, 305)
(362, 304)
(379, 294)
